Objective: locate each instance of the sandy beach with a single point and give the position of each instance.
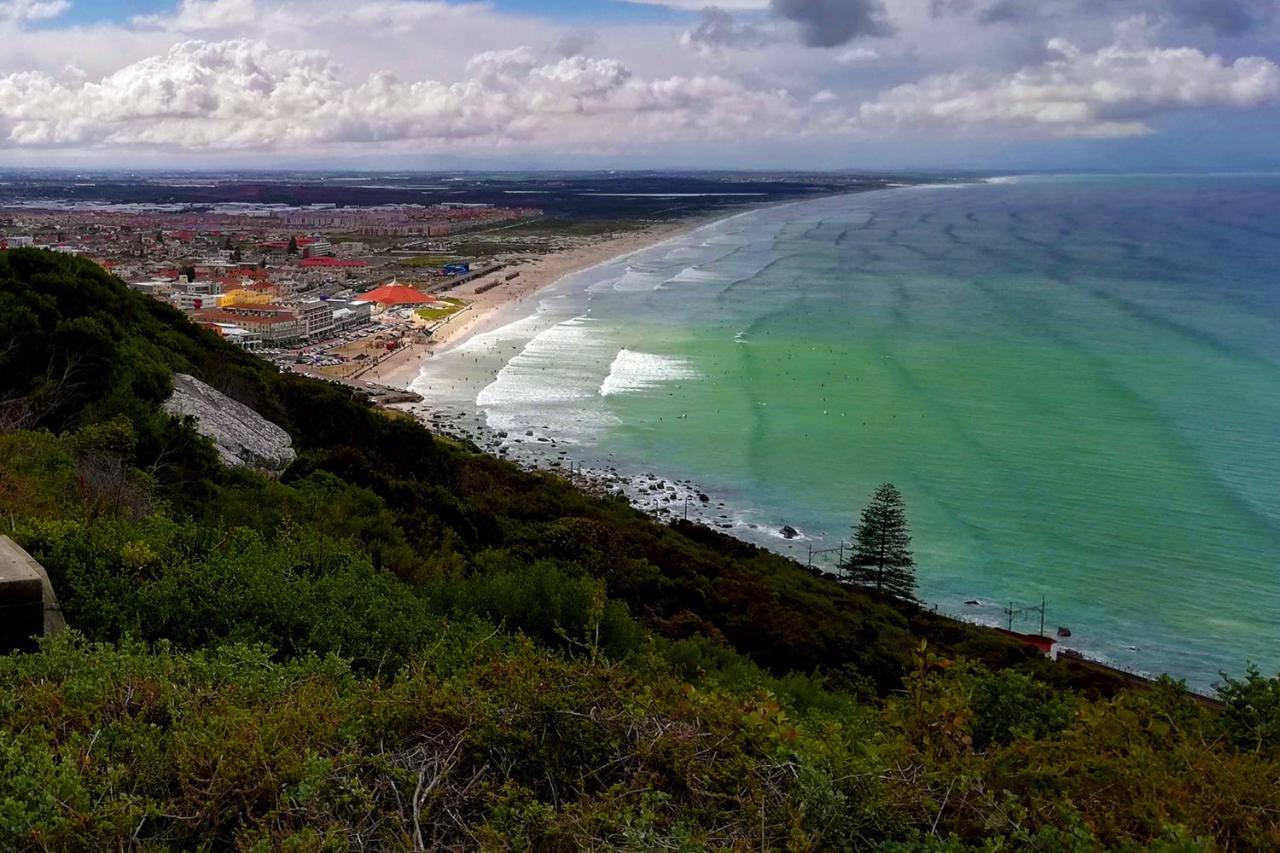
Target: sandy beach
(401, 369)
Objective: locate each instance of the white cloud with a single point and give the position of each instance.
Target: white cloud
(321, 78)
(1112, 92)
(245, 95)
(854, 55)
(377, 16)
(32, 10)
(718, 29)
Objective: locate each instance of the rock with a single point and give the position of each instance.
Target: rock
(706, 499)
(789, 532)
(242, 436)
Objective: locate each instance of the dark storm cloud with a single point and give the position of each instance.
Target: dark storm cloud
(829, 23)
(1226, 17)
(1223, 17)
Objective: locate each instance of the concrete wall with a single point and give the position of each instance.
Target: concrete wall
(28, 606)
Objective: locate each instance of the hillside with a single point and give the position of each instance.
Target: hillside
(403, 643)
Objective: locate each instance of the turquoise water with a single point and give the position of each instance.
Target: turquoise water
(1074, 382)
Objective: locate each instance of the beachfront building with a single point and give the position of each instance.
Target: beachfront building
(274, 324)
(317, 318)
(236, 335)
(350, 315)
(394, 295)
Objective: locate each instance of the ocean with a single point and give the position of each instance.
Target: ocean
(1074, 381)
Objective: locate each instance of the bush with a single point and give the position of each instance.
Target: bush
(1251, 719)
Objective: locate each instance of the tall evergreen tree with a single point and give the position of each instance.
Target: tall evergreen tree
(293, 246)
(881, 558)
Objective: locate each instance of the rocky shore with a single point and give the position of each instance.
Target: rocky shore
(664, 498)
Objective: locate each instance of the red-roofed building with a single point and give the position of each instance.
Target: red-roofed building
(330, 263)
(1039, 642)
(273, 323)
(393, 295)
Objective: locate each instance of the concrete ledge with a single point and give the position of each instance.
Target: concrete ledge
(28, 605)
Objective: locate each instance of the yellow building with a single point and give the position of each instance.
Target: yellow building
(242, 297)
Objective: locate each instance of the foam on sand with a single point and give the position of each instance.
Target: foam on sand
(641, 371)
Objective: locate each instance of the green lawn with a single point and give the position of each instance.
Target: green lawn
(429, 260)
(442, 309)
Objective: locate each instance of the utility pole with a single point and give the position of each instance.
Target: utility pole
(1012, 611)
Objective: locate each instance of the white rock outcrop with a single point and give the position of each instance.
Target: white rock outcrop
(241, 435)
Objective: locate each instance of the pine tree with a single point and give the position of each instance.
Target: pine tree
(293, 245)
(881, 558)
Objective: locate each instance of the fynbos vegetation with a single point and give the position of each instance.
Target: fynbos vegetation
(401, 644)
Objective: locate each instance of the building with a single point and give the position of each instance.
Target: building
(237, 336)
(317, 318)
(189, 302)
(316, 248)
(1046, 646)
(273, 324)
(242, 296)
(394, 296)
(351, 316)
(331, 263)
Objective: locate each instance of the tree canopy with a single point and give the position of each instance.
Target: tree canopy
(881, 559)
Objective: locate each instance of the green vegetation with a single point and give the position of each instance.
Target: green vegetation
(402, 643)
(435, 261)
(881, 558)
(446, 307)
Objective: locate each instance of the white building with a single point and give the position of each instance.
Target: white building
(189, 302)
(317, 318)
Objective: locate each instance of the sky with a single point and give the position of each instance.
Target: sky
(754, 84)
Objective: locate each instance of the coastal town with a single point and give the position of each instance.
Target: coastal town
(316, 289)
(354, 293)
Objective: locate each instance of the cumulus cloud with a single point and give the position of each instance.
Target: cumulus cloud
(718, 29)
(831, 23)
(1112, 92)
(32, 10)
(245, 95)
(379, 16)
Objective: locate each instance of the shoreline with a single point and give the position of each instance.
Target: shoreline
(535, 275)
(658, 489)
